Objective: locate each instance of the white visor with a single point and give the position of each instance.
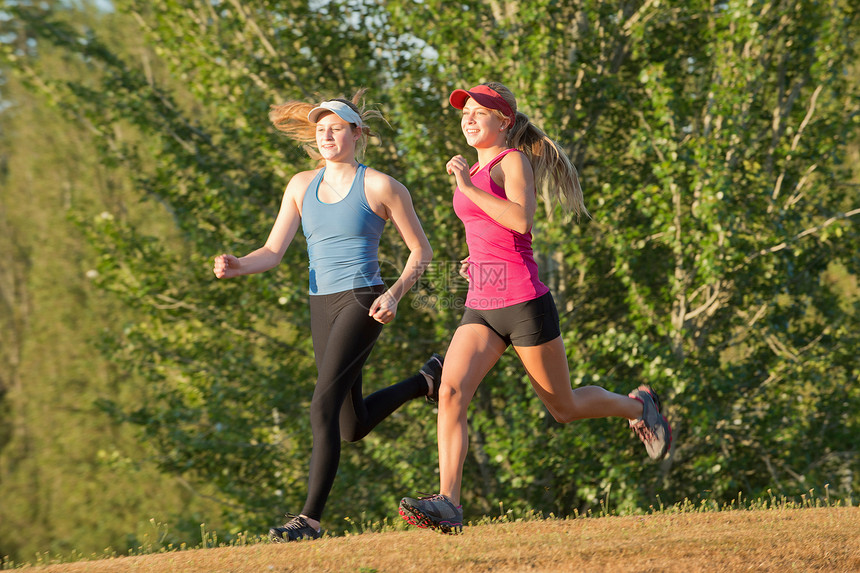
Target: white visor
(339, 108)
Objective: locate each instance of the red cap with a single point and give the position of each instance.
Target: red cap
(485, 96)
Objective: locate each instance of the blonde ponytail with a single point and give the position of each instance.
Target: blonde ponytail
(555, 175)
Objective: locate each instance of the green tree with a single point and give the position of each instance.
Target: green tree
(711, 140)
(70, 477)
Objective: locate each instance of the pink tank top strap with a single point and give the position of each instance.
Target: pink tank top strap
(493, 161)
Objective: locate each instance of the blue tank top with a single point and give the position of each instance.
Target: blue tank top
(342, 237)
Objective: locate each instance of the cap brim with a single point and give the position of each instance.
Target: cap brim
(315, 113)
(458, 98)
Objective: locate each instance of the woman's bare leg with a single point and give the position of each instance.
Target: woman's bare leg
(548, 370)
(473, 351)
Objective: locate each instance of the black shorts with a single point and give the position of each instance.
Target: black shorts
(529, 323)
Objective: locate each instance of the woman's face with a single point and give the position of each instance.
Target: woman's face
(335, 138)
(481, 126)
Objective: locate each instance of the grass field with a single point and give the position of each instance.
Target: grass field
(823, 539)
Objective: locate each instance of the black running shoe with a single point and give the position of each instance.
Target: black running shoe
(293, 530)
(433, 369)
(653, 427)
(432, 512)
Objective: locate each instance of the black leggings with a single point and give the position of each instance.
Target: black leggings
(343, 336)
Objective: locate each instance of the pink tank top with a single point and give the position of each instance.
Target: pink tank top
(502, 267)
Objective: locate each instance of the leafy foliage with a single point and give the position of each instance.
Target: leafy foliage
(711, 140)
(70, 477)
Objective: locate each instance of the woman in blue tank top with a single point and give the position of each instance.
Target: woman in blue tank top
(342, 208)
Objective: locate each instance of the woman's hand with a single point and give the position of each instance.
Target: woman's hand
(459, 168)
(226, 266)
(384, 308)
(464, 270)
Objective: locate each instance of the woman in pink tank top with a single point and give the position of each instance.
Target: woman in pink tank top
(507, 303)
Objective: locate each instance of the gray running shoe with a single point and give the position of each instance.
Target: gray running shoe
(433, 512)
(433, 369)
(652, 428)
(293, 530)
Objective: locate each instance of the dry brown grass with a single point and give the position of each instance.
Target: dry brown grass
(813, 539)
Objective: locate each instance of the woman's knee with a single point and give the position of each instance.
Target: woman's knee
(563, 413)
(352, 435)
(563, 417)
(324, 419)
(321, 412)
(452, 397)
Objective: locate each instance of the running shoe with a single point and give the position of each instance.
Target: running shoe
(433, 512)
(293, 530)
(433, 369)
(652, 428)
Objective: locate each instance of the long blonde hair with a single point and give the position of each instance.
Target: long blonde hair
(555, 174)
(292, 118)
